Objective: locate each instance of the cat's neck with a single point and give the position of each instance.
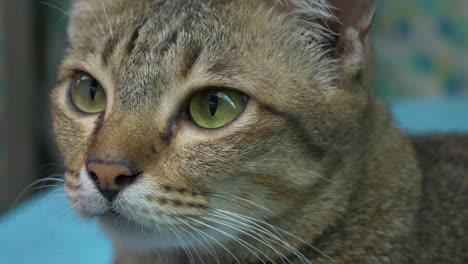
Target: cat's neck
(382, 196)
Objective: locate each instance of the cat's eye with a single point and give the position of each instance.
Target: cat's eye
(87, 95)
(216, 108)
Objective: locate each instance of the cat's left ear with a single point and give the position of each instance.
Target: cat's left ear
(352, 28)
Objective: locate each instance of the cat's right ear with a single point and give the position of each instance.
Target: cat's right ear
(343, 24)
(352, 27)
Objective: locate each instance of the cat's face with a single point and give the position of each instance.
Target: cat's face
(170, 114)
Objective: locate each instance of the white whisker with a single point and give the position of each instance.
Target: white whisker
(191, 244)
(217, 242)
(247, 234)
(28, 188)
(243, 243)
(280, 230)
(211, 251)
(280, 241)
(55, 7)
(183, 245)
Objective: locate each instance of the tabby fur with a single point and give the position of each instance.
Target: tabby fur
(313, 171)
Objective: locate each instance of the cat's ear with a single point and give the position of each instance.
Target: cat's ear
(343, 25)
(352, 27)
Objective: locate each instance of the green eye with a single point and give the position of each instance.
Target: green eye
(214, 109)
(87, 94)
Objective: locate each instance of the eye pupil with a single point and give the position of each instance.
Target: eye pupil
(93, 90)
(87, 95)
(214, 109)
(213, 104)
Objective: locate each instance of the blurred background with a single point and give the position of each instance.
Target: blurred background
(421, 54)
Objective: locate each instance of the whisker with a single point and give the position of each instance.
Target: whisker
(28, 188)
(270, 212)
(247, 234)
(191, 244)
(183, 245)
(242, 199)
(211, 251)
(274, 238)
(215, 196)
(51, 169)
(217, 242)
(56, 191)
(55, 7)
(243, 243)
(280, 230)
(47, 186)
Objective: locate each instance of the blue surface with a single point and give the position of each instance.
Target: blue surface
(450, 115)
(46, 230)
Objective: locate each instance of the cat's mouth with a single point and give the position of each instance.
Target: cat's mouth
(117, 220)
(114, 213)
(137, 233)
(116, 216)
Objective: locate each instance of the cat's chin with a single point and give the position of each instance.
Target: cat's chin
(135, 236)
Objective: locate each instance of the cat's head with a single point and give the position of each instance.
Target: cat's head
(188, 113)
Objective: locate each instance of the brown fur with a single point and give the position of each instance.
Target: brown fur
(315, 158)
(442, 217)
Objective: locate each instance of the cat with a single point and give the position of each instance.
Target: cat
(241, 131)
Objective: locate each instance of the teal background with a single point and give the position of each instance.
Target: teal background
(421, 49)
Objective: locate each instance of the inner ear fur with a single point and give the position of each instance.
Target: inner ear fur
(354, 20)
(345, 27)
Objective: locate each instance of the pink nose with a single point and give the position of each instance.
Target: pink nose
(110, 178)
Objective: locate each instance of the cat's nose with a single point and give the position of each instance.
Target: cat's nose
(110, 177)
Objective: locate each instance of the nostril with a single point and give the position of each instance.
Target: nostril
(94, 177)
(123, 180)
